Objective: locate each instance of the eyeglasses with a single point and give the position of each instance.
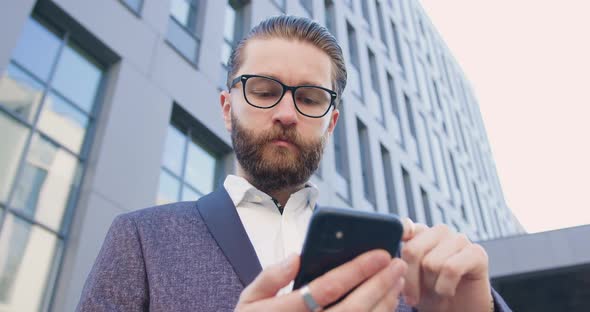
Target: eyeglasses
(265, 92)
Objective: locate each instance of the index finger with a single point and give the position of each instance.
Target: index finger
(411, 229)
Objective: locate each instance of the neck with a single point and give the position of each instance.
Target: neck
(281, 195)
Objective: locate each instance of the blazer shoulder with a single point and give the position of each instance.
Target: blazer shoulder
(174, 212)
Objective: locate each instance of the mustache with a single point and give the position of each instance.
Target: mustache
(282, 133)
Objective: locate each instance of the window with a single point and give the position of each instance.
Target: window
(340, 148)
(409, 194)
(410, 114)
(479, 208)
(443, 216)
(398, 48)
(381, 19)
(308, 6)
(389, 185)
(454, 170)
(352, 46)
(280, 4)
(232, 33)
(330, 16)
(191, 165)
(375, 85)
(134, 5)
(182, 29)
(366, 163)
(366, 14)
(393, 95)
(47, 106)
(428, 144)
(440, 165)
(426, 206)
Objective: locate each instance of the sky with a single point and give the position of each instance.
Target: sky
(528, 62)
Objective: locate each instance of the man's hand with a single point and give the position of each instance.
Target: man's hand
(379, 279)
(446, 272)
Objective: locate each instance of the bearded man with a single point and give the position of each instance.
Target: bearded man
(237, 247)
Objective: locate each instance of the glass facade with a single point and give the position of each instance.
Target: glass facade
(47, 106)
(189, 169)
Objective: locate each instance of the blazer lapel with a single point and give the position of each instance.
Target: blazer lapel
(222, 220)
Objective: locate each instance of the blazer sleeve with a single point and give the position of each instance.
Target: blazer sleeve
(118, 280)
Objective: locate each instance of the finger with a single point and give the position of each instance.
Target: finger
(339, 281)
(471, 263)
(434, 260)
(391, 300)
(268, 283)
(411, 229)
(413, 252)
(367, 295)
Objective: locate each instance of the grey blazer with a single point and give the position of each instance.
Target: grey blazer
(187, 256)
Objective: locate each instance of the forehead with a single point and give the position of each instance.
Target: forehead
(293, 62)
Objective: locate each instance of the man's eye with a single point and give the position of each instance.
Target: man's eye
(263, 93)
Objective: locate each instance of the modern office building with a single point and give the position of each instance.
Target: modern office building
(113, 105)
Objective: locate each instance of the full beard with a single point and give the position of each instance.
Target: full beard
(270, 167)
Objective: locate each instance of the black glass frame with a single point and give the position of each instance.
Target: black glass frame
(244, 80)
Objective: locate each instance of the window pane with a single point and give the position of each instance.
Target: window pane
(63, 122)
(225, 53)
(230, 23)
(26, 259)
(169, 189)
(184, 42)
(181, 10)
(188, 194)
(12, 141)
(77, 78)
(174, 151)
(48, 180)
(200, 168)
(35, 39)
(20, 92)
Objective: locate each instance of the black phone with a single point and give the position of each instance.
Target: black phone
(336, 236)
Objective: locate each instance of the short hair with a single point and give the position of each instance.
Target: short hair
(295, 28)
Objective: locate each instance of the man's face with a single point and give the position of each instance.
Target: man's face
(279, 147)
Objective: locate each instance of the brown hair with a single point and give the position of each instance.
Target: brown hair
(295, 28)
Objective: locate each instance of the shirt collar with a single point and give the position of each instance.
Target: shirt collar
(240, 190)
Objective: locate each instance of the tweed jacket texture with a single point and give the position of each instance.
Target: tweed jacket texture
(186, 256)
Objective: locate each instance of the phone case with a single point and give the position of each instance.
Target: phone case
(336, 236)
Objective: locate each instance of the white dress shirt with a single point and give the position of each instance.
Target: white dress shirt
(274, 236)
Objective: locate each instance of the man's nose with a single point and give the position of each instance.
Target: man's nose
(285, 112)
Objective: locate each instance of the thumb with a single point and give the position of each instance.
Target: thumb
(268, 283)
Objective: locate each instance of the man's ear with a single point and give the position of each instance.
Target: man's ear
(333, 120)
(224, 99)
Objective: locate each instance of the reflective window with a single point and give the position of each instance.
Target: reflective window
(189, 169)
(308, 6)
(47, 98)
(233, 31)
(182, 28)
(20, 92)
(184, 12)
(77, 78)
(35, 38)
(26, 261)
(174, 150)
(200, 168)
(12, 143)
(49, 176)
(169, 188)
(64, 122)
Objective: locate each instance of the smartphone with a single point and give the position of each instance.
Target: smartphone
(336, 236)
